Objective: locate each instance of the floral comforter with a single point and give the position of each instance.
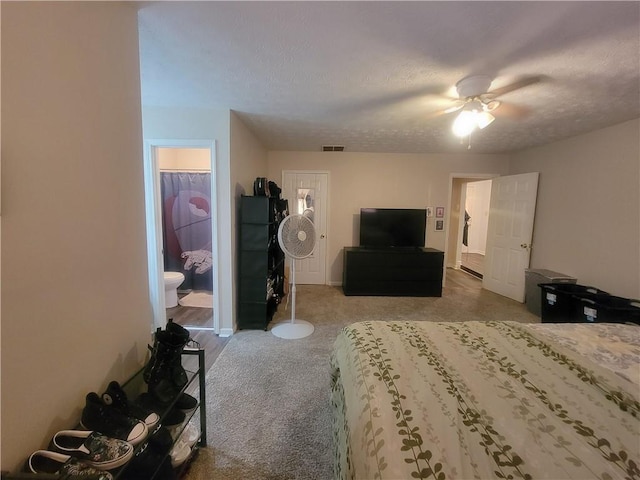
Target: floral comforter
(486, 400)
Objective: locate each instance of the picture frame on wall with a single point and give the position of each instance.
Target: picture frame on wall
(439, 212)
(439, 225)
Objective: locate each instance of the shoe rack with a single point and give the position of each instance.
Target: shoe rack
(194, 361)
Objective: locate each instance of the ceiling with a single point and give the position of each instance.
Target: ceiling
(375, 76)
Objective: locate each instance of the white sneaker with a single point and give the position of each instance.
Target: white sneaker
(180, 453)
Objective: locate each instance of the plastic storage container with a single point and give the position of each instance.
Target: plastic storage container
(608, 308)
(560, 301)
(533, 278)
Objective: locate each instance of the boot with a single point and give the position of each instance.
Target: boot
(178, 336)
(164, 373)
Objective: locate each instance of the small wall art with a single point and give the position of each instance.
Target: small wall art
(439, 225)
(439, 212)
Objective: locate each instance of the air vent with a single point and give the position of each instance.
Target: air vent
(333, 148)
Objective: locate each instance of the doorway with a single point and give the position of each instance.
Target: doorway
(508, 234)
(455, 230)
(475, 219)
(181, 226)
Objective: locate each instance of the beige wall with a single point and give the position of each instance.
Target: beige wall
(381, 180)
(75, 309)
(183, 159)
(249, 158)
(588, 210)
(452, 255)
(248, 161)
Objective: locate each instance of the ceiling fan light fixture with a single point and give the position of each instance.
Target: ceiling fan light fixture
(465, 123)
(491, 105)
(484, 119)
(469, 119)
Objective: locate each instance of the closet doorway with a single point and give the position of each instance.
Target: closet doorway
(181, 214)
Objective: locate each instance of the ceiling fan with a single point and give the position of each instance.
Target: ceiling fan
(477, 102)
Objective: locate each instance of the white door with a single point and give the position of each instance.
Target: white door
(509, 234)
(306, 192)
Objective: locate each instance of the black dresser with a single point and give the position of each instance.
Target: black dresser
(409, 272)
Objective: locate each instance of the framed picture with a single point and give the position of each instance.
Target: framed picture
(439, 212)
(439, 225)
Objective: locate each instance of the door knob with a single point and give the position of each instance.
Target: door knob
(322, 236)
(525, 245)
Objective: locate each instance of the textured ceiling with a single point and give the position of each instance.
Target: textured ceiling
(373, 76)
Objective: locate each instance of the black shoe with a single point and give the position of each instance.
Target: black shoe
(117, 398)
(110, 422)
(186, 402)
(169, 419)
(67, 467)
(92, 448)
(161, 441)
(148, 463)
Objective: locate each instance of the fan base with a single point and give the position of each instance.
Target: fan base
(293, 329)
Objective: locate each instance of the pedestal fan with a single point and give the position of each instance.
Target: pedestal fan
(297, 238)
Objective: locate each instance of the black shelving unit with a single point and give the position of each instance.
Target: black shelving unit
(261, 260)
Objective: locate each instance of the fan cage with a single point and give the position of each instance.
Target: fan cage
(297, 236)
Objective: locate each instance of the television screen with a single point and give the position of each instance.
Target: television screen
(393, 227)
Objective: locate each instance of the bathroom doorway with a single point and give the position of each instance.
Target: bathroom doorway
(181, 213)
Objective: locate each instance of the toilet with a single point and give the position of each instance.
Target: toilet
(172, 281)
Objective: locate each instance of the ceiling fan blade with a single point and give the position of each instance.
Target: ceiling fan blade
(383, 102)
(509, 110)
(519, 83)
(454, 108)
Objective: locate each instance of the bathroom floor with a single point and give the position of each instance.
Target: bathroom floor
(191, 316)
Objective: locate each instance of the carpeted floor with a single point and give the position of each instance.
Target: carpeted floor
(268, 398)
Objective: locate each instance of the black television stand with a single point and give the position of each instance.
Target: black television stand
(408, 272)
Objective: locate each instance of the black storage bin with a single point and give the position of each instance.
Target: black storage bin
(559, 301)
(533, 278)
(608, 308)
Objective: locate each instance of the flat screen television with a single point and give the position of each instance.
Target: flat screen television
(393, 227)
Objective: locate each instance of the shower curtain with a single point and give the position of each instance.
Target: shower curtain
(186, 227)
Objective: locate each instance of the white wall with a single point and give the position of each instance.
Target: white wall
(381, 180)
(588, 211)
(75, 309)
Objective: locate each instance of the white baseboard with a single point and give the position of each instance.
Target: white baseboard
(225, 332)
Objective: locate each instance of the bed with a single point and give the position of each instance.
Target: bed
(480, 400)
